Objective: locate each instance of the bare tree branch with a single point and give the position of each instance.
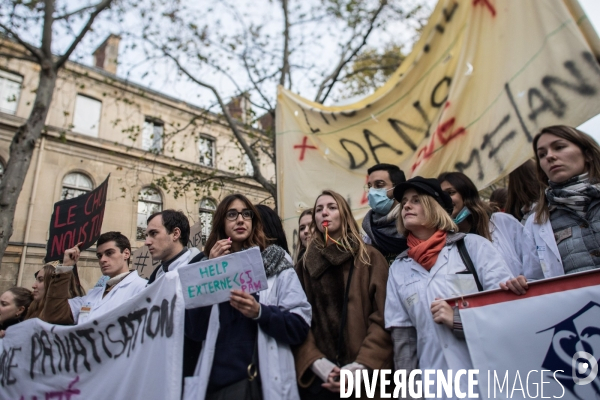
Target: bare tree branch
(104, 4)
(333, 77)
(269, 152)
(240, 90)
(285, 68)
(72, 13)
(47, 34)
(32, 49)
(257, 176)
(261, 94)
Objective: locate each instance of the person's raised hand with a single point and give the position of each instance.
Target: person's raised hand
(221, 248)
(71, 255)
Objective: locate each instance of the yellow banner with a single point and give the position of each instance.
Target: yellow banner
(482, 80)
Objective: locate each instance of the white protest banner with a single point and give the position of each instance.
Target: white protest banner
(133, 352)
(482, 80)
(210, 282)
(527, 346)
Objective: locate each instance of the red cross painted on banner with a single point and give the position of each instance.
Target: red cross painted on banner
(304, 146)
(487, 4)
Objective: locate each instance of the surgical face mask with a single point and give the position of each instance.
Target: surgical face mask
(462, 215)
(379, 202)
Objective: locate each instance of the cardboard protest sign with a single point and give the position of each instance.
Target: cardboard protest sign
(143, 263)
(210, 282)
(76, 220)
(134, 351)
(195, 239)
(521, 350)
(482, 80)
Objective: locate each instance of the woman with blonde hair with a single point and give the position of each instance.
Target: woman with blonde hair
(566, 223)
(344, 280)
(439, 263)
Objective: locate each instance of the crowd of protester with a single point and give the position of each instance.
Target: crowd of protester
(350, 299)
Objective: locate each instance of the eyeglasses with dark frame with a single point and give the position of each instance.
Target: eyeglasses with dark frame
(232, 215)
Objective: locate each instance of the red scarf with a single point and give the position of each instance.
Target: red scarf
(425, 252)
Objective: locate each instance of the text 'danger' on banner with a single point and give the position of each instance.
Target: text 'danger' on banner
(76, 220)
(210, 282)
(480, 83)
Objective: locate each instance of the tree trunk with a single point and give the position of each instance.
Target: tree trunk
(21, 152)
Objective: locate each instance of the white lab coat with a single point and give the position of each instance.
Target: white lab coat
(131, 285)
(516, 246)
(411, 290)
(181, 261)
(547, 249)
(276, 361)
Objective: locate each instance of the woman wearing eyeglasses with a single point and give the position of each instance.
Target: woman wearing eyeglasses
(250, 329)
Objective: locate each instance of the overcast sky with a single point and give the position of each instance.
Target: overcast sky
(170, 81)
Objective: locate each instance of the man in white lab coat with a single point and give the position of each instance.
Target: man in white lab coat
(113, 251)
(167, 237)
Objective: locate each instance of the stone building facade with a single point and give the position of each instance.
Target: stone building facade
(100, 124)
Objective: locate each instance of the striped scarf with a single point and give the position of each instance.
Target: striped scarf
(576, 193)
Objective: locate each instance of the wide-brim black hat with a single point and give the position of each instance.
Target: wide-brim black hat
(426, 186)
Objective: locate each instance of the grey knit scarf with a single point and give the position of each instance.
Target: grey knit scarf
(274, 260)
(576, 193)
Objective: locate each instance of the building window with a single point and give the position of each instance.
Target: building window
(86, 119)
(207, 151)
(207, 209)
(248, 168)
(75, 184)
(10, 90)
(149, 202)
(152, 135)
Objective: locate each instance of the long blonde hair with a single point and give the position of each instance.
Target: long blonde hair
(591, 153)
(350, 239)
(435, 216)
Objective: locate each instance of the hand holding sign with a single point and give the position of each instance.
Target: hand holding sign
(72, 255)
(212, 281)
(245, 303)
(517, 285)
(442, 312)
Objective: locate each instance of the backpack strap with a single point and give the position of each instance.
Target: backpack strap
(466, 259)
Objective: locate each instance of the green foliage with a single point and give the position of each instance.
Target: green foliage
(371, 69)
